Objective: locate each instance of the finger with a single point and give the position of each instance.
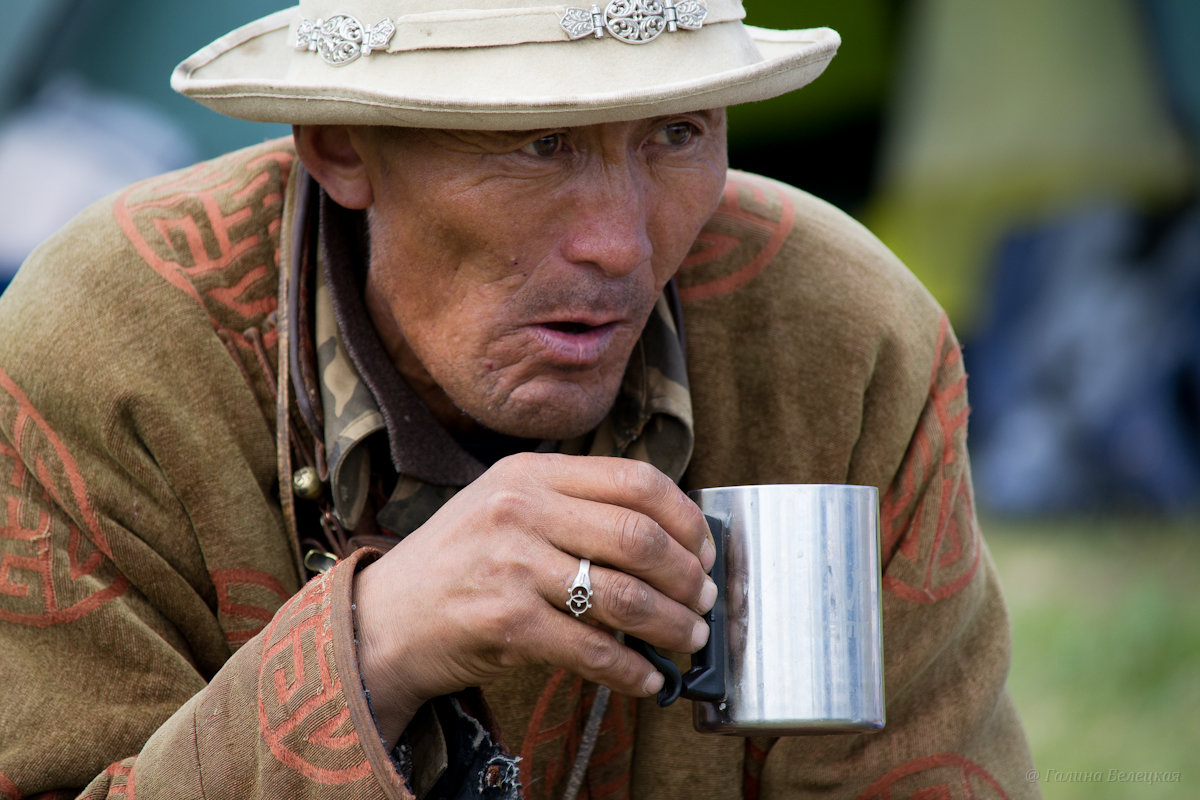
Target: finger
(646, 490)
(626, 483)
(571, 504)
(622, 602)
(632, 518)
(595, 654)
(634, 543)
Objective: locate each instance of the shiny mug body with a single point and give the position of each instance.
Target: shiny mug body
(796, 643)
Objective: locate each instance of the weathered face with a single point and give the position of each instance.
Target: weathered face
(512, 273)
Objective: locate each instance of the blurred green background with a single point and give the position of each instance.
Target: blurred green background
(1106, 650)
(1034, 164)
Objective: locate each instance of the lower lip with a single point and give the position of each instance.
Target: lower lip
(582, 349)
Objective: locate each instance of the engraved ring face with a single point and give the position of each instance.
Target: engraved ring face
(579, 599)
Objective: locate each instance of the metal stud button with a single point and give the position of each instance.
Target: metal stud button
(306, 483)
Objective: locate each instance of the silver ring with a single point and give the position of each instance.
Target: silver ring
(580, 598)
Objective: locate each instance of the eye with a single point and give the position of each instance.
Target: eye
(549, 145)
(674, 134)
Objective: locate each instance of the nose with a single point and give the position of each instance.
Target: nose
(608, 220)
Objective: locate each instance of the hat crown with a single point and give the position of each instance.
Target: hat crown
(498, 64)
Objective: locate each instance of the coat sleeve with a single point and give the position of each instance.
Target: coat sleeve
(92, 670)
(92, 667)
(154, 637)
(951, 727)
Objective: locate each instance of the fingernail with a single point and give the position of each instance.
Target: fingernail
(654, 682)
(708, 597)
(708, 555)
(699, 635)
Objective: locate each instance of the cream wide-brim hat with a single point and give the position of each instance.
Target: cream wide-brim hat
(497, 64)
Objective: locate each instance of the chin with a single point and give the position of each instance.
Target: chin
(535, 424)
(550, 416)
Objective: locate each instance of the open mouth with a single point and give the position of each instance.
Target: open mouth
(570, 327)
(575, 344)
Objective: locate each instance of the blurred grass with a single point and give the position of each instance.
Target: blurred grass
(1106, 650)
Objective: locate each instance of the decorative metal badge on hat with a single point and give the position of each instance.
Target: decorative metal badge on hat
(343, 38)
(635, 21)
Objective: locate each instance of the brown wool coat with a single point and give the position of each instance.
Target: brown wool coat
(156, 636)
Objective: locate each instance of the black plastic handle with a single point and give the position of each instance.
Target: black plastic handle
(706, 678)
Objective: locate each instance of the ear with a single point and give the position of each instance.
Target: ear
(330, 154)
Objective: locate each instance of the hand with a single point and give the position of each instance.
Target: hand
(481, 588)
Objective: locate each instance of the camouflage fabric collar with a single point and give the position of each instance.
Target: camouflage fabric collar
(351, 413)
(650, 421)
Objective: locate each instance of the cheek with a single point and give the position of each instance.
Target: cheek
(449, 303)
(420, 311)
(425, 265)
(686, 206)
(453, 333)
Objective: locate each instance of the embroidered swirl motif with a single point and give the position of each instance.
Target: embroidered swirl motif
(342, 39)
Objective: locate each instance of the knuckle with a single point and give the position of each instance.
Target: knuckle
(629, 600)
(695, 520)
(521, 462)
(599, 652)
(640, 482)
(694, 576)
(639, 538)
(520, 469)
(507, 505)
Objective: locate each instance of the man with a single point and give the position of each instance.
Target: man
(434, 350)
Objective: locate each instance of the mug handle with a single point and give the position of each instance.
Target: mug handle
(706, 678)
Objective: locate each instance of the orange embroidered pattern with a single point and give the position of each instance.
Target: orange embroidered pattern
(943, 776)
(246, 601)
(212, 231)
(552, 741)
(55, 561)
(302, 716)
(121, 782)
(8, 789)
(742, 236)
(930, 537)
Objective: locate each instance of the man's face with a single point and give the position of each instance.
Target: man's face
(511, 274)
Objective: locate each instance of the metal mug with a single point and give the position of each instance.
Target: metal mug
(796, 642)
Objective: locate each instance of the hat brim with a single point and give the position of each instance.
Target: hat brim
(256, 73)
